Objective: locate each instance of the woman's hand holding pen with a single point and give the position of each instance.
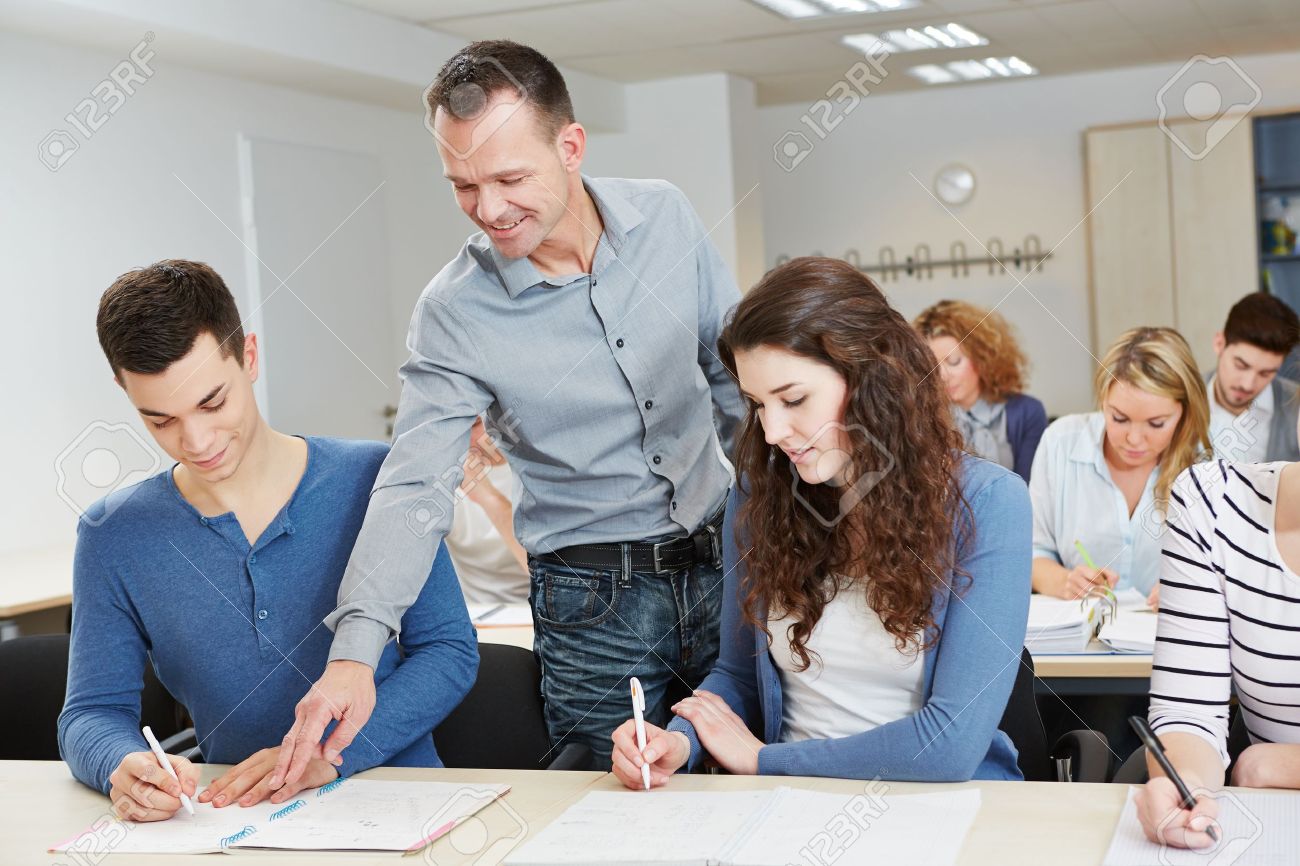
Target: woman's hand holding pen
(665, 751)
(1165, 821)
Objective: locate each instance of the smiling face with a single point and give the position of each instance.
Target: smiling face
(201, 409)
(515, 183)
(1243, 371)
(800, 404)
(1139, 425)
(961, 379)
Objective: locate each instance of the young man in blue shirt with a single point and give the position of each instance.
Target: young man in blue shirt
(220, 571)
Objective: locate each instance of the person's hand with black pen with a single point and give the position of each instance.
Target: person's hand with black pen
(1162, 807)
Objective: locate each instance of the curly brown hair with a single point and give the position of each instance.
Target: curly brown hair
(986, 338)
(898, 542)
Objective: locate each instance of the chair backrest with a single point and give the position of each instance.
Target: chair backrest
(1021, 722)
(499, 725)
(33, 679)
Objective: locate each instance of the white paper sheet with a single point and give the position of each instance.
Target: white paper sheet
(755, 828)
(1256, 828)
(355, 815)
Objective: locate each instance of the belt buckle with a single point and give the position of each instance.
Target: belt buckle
(715, 543)
(654, 551)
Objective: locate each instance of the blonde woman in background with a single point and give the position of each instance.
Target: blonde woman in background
(1103, 478)
(984, 373)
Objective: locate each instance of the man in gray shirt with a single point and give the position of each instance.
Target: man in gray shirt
(583, 319)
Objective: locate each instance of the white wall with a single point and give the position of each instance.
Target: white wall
(1023, 139)
(683, 130)
(116, 205)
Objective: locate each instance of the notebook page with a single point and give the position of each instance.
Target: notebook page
(814, 827)
(1262, 829)
(365, 815)
(656, 828)
(208, 830)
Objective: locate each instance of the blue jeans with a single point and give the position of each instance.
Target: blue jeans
(596, 629)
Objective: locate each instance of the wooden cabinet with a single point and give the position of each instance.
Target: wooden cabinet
(1171, 239)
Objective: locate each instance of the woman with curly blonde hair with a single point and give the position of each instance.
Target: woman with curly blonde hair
(877, 577)
(983, 372)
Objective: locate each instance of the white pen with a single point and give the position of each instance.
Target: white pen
(638, 713)
(167, 765)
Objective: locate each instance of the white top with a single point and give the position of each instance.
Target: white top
(860, 681)
(488, 573)
(1241, 438)
(1074, 498)
(1229, 610)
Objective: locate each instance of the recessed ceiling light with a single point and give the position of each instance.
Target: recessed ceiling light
(972, 70)
(817, 8)
(949, 35)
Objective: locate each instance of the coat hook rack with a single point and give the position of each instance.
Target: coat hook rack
(1029, 257)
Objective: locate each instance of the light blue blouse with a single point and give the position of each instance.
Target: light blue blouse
(1073, 497)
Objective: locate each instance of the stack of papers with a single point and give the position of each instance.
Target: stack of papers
(1133, 631)
(1059, 626)
(1056, 625)
(754, 828)
(345, 815)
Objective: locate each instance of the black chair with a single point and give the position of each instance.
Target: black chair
(33, 679)
(499, 725)
(1078, 756)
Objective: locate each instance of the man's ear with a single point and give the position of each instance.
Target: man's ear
(572, 143)
(1219, 343)
(251, 356)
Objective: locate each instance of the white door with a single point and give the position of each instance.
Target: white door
(319, 287)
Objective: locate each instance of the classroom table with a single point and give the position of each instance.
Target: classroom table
(1019, 822)
(1094, 672)
(35, 580)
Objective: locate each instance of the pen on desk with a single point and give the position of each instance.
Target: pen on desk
(167, 765)
(490, 612)
(638, 715)
(1157, 751)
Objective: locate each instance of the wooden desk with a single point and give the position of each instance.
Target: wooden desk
(35, 580)
(1089, 674)
(1019, 822)
(41, 805)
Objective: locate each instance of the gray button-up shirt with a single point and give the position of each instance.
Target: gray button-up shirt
(607, 390)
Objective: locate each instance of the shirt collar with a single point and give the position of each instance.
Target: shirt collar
(616, 212)
(1087, 444)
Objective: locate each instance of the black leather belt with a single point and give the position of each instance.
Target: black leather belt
(674, 554)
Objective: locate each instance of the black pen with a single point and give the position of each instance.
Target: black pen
(1153, 746)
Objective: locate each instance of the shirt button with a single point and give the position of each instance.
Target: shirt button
(674, 505)
(649, 404)
(252, 559)
(619, 343)
(659, 460)
(262, 614)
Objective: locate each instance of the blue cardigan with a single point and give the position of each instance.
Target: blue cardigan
(968, 672)
(1026, 421)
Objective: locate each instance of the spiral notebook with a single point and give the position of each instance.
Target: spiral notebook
(754, 828)
(1257, 828)
(345, 815)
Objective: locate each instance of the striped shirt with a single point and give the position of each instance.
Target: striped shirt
(1229, 610)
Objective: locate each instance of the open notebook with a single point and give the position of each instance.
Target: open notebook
(1060, 626)
(1257, 828)
(754, 828)
(345, 815)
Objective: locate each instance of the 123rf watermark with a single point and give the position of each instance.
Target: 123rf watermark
(105, 100)
(824, 115)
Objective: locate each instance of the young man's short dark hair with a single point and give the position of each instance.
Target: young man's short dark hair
(1264, 321)
(481, 69)
(150, 317)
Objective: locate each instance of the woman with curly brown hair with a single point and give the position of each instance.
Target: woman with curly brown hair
(877, 577)
(983, 371)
